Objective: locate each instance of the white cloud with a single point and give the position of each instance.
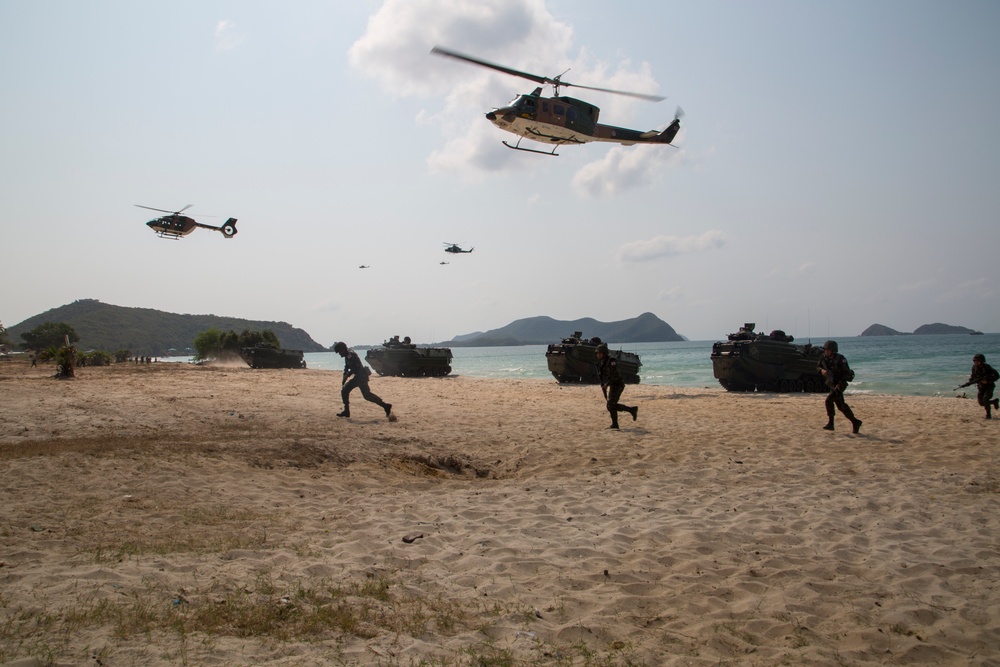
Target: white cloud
(624, 168)
(226, 37)
(668, 246)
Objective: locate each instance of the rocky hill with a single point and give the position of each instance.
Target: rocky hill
(646, 328)
(923, 330)
(881, 330)
(145, 331)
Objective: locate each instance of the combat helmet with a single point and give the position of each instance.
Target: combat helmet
(830, 345)
(340, 347)
(979, 357)
(602, 348)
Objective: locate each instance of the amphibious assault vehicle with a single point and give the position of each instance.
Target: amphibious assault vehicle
(405, 359)
(269, 357)
(575, 360)
(751, 361)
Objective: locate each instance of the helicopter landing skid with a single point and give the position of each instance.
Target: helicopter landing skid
(517, 147)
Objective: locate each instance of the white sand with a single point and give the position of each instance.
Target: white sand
(171, 514)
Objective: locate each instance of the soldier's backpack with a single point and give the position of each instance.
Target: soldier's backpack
(992, 375)
(848, 372)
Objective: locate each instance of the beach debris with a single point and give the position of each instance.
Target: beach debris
(411, 537)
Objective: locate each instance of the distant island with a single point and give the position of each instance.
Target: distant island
(924, 330)
(646, 328)
(145, 331)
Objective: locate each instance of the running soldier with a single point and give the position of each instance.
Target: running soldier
(985, 378)
(833, 366)
(612, 385)
(356, 375)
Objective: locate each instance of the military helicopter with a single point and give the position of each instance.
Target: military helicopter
(175, 225)
(363, 266)
(562, 120)
(454, 249)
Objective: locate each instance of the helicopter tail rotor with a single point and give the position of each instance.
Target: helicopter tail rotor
(229, 229)
(667, 136)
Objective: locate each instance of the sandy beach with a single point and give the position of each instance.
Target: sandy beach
(180, 515)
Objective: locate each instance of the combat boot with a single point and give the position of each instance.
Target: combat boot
(345, 413)
(856, 423)
(829, 426)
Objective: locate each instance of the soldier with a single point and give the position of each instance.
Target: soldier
(985, 377)
(358, 374)
(834, 368)
(612, 385)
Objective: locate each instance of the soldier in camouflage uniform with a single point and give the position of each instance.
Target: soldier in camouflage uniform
(612, 385)
(985, 378)
(356, 375)
(833, 366)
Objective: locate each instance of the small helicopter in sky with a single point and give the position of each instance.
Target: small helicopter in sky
(363, 266)
(454, 249)
(443, 263)
(562, 120)
(175, 225)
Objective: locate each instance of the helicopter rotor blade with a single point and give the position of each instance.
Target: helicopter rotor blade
(441, 51)
(162, 210)
(485, 63)
(641, 96)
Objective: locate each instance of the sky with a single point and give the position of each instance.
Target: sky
(837, 164)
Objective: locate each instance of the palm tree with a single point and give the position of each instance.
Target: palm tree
(64, 356)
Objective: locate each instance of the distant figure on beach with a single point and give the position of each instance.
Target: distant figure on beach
(356, 375)
(833, 366)
(612, 385)
(34, 362)
(985, 378)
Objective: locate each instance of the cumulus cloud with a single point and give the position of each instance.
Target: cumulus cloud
(668, 246)
(226, 36)
(623, 168)
(520, 34)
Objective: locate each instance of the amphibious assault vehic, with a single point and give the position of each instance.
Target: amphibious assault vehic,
(751, 361)
(404, 359)
(574, 360)
(264, 356)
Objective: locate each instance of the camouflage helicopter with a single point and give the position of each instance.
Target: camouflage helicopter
(175, 225)
(454, 248)
(562, 120)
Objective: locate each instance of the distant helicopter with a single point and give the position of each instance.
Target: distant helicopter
(443, 263)
(175, 225)
(454, 249)
(364, 267)
(562, 120)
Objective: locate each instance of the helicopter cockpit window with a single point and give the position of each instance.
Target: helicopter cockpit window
(559, 109)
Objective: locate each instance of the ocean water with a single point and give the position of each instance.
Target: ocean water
(901, 365)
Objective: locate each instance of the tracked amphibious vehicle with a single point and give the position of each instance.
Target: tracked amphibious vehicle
(575, 360)
(404, 359)
(263, 356)
(751, 361)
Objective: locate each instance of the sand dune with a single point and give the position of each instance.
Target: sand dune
(171, 514)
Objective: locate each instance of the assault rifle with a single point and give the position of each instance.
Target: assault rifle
(963, 386)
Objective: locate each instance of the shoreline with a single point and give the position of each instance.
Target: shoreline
(143, 502)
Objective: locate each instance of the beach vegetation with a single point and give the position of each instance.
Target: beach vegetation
(64, 357)
(49, 334)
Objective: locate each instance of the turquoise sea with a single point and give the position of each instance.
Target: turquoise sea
(902, 365)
